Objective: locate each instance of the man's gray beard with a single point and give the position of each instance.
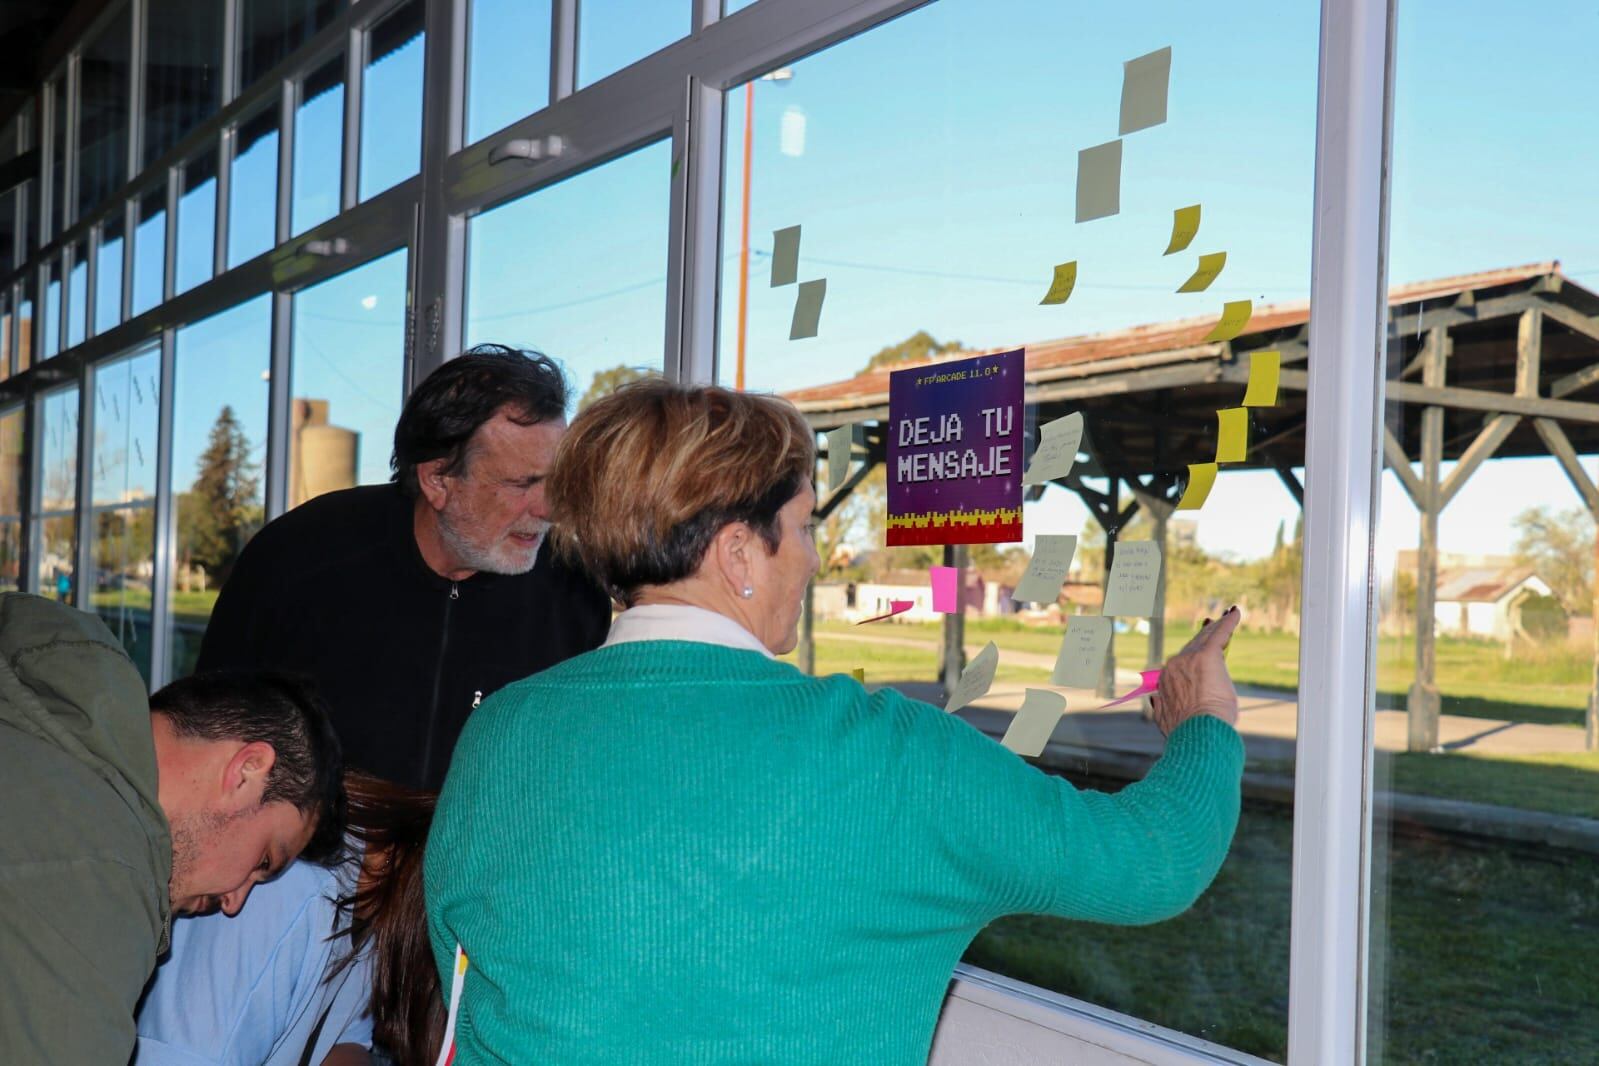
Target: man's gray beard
(502, 558)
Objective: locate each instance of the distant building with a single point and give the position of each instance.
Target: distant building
(1480, 595)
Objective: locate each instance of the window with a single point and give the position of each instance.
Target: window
(182, 71)
(391, 101)
(52, 308)
(78, 295)
(7, 321)
(149, 250)
(578, 272)
(123, 505)
(252, 210)
(58, 156)
(9, 245)
(25, 327)
(271, 29)
(11, 460)
(348, 382)
(318, 146)
(509, 57)
(108, 275)
(219, 441)
(55, 521)
(615, 33)
(103, 83)
(197, 222)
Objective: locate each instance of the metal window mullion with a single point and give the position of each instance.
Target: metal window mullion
(435, 312)
(169, 263)
(69, 157)
(165, 518)
(1332, 785)
(563, 48)
(694, 256)
(230, 51)
(130, 222)
(287, 98)
(91, 279)
(224, 194)
(279, 383)
(47, 167)
(137, 15)
(30, 485)
(705, 13)
(354, 79)
(83, 563)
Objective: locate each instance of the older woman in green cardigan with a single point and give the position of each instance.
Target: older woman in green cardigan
(677, 849)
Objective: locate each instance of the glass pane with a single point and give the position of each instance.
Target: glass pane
(11, 457)
(197, 222)
(318, 146)
(183, 71)
(57, 494)
(391, 101)
(52, 309)
(103, 114)
(6, 322)
(508, 63)
(25, 329)
(8, 230)
(125, 419)
(78, 295)
(349, 378)
(952, 254)
(108, 276)
(614, 33)
(271, 29)
(149, 251)
(253, 210)
(219, 451)
(1485, 652)
(58, 156)
(578, 271)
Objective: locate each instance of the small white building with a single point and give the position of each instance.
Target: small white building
(1485, 601)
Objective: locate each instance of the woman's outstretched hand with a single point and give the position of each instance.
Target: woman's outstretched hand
(1195, 680)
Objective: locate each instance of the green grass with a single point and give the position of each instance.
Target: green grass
(1558, 784)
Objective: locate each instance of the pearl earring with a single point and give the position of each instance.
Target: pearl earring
(748, 592)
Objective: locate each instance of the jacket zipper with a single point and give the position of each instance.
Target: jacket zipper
(438, 683)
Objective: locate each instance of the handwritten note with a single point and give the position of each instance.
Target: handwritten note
(1060, 290)
(1082, 651)
(1058, 442)
(976, 679)
(1184, 227)
(1030, 730)
(1201, 476)
(1210, 265)
(785, 256)
(1133, 576)
(808, 309)
(1099, 181)
(1265, 368)
(894, 607)
(1232, 441)
(1149, 682)
(1046, 572)
(840, 441)
(1145, 84)
(1235, 315)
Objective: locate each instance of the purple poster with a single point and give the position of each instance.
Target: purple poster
(955, 452)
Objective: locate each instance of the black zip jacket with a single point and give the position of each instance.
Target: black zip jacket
(337, 590)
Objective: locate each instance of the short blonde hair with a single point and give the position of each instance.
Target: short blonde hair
(645, 478)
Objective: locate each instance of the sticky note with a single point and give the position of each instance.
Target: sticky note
(1082, 651)
(1099, 181)
(1232, 442)
(1201, 476)
(785, 256)
(1030, 730)
(1145, 82)
(894, 607)
(859, 674)
(1210, 265)
(1046, 572)
(839, 443)
(946, 590)
(1133, 575)
(1058, 442)
(1234, 317)
(1149, 681)
(1184, 227)
(1264, 370)
(1060, 290)
(976, 679)
(808, 309)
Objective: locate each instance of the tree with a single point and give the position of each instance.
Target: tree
(608, 381)
(1559, 545)
(918, 346)
(220, 512)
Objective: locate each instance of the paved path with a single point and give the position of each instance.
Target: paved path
(1267, 720)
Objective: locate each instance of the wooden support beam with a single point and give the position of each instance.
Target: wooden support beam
(1560, 447)
(1571, 318)
(1471, 400)
(1424, 703)
(1572, 382)
(1488, 441)
(1529, 352)
(836, 497)
(1291, 482)
(1399, 463)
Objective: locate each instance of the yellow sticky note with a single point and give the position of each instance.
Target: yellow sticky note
(1232, 442)
(859, 674)
(1031, 728)
(1201, 476)
(1234, 317)
(1065, 280)
(1264, 370)
(1210, 266)
(1184, 227)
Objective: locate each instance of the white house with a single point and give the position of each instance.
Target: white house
(1484, 601)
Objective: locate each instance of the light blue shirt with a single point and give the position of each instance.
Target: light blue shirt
(249, 990)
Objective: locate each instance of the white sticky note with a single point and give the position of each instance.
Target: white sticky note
(839, 443)
(808, 309)
(1030, 730)
(1133, 576)
(1145, 83)
(1046, 572)
(1058, 442)
(785, 256)
(976, 679)
(1099, 181)
(1082, 651)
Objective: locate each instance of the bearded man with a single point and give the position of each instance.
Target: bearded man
(409, 603)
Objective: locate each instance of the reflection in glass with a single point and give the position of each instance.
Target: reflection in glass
(183, 71)
(391, 101)
(253, 192)
(508, 63)
(9, 245)
(615, 33)
(123, 515)
(149, 251)
(58, 155)
(103, 74)
(108, 275)
(197, 222)
(271, 29)
(348, 378)
(52, 309)
(11, 458)
(318, 146)
(56, 538)
(578, 271)
(78, 295)
(25, 328)
(6, 322)
(218, 452)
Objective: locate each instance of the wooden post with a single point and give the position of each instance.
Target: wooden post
(1424, 703)
(807, 630)
(1592, 730)
(952, 659)
(1107, 673)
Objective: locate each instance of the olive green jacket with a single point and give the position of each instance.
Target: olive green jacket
(85, 852)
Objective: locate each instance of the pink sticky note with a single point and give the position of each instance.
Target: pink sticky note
(894, 607)
(946, 594)
(1150, 682)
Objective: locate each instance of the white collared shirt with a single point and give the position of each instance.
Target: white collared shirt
(674, 621)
